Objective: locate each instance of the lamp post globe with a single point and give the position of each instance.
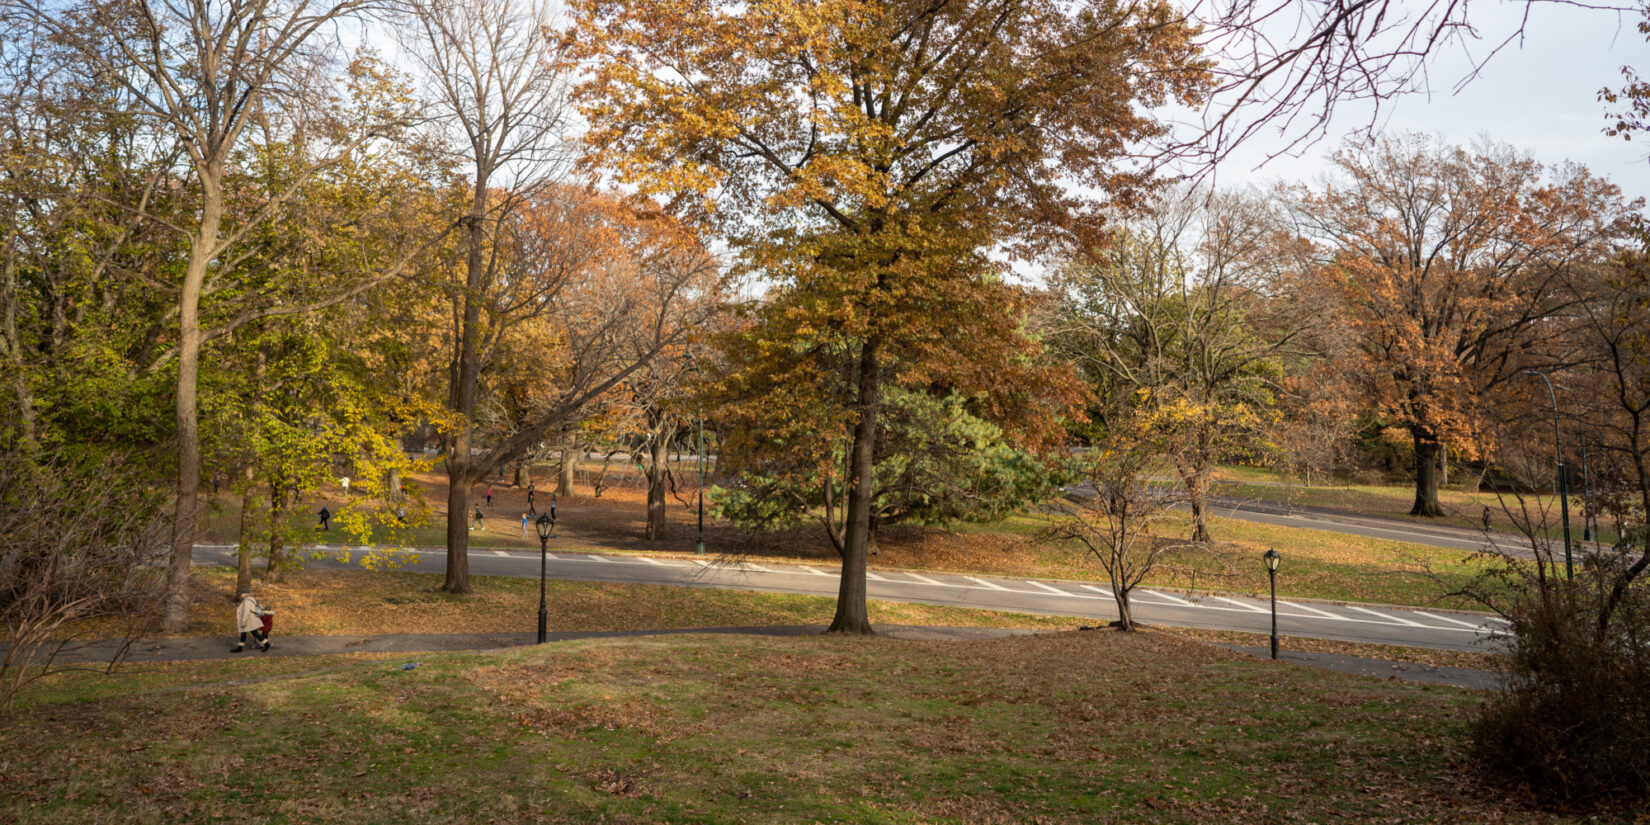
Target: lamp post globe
(1272, 558)
(543, 527)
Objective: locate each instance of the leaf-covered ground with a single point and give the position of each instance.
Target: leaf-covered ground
(1060, 728)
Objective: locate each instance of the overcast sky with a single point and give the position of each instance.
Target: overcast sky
(1539, 95)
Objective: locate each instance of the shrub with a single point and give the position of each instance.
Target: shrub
(1572, 722)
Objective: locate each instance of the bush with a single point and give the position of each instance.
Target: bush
(1572, 722)
(82, 536)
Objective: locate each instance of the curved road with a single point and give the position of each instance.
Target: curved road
(1377, 624)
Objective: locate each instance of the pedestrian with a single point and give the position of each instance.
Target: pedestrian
(344, 483)
(1486, 517)
(401, 516)
(530, 509)
(489, 495)
(326, 517)
(552, 513)
(524, 525)
(478, 517)
(249, 618)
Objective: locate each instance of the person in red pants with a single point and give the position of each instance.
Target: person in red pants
(249, 618)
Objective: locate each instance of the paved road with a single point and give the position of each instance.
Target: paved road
(1454, 630)
(1316, 518)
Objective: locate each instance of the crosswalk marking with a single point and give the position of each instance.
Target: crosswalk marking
(1244, 605)
(1446, 619)
(813, 571)
(655, 562)
(1055, 590)
(1398, 619)
(500, 553)
(1101, 590)
(874, 577)
(598, 558)
(984, 583)
(1176, 599)
(923, 579)
(758, 568)
(1324, 613)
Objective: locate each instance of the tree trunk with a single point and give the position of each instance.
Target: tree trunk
(851, 615)
(1197, 492)
(569, 463)
(201, 249)
(1443, 465)
(1125, 616)
(656, 484)
(466, 372)
(519, 480)
(392, 480)
(243, 561)
(27, 440)
(278, 511)
(1426, 474)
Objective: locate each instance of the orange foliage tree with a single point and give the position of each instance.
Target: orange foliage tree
(1449, 265)
(864, 155)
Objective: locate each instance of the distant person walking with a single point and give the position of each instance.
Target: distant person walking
(344, 483)
(530, 509)
(478, 517)
(1486, 517)
(326, 519)
(524, 525)
(552, 513)
(489, 495)
(249, 618)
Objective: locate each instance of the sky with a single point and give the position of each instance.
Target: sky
(1539, 94)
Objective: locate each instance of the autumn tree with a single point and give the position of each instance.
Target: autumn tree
(1188, 310)
(1449, 264)
(865, 154)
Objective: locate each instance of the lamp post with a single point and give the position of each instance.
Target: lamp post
(543, 525)
(699, 545)
(1272, 558)
(1563, 484)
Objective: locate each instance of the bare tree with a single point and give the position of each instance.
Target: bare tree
(1113, 520)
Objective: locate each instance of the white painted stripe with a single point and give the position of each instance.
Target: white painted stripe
(1445, 619)
(1055, 590)
(500, 553)
(655, 562)
(598, 558)
(552, 556)
(926, 580)
(1324, 613)
(984, 583)
(1102, 591)
(759, 568)
(1244, 605)
(874, 577)
(813, 571)
(1398, 619)
(702, 563)
(1176, 599)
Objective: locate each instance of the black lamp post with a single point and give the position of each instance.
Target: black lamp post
(1563, 483)
(543, 525)
(1272, 558)
(699, 546)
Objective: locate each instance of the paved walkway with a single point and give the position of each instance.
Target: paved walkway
(157, 650)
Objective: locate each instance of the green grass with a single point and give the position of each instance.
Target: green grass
(1065, 728)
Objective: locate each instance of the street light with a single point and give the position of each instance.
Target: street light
(1563, 484)
(1272, 558)
(543, 525)
(699, 546)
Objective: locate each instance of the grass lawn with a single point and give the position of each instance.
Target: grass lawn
(1060, 728)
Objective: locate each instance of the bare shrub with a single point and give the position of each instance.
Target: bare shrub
(83, 538)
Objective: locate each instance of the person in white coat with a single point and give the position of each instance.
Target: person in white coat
(249, 618)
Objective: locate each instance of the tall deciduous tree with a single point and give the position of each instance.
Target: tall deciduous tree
(207, 73)
(866, 152)
(1449, 263)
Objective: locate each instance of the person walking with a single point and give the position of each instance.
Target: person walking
(478, 517)
(344, 483)
(326, 519)
(552, 514)
(489, 495)
(249, 618)
(524, 525)
(532, 511)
